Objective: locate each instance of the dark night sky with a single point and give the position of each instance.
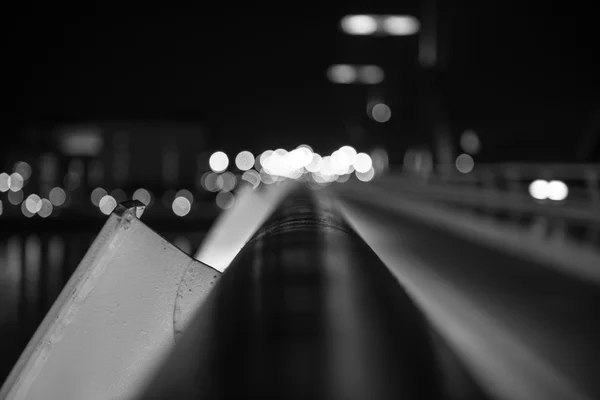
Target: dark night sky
(524, 77)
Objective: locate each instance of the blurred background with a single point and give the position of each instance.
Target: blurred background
(105, 103)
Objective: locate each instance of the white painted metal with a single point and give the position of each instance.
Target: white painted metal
(235, 226)
(113, 321)
(196, 283)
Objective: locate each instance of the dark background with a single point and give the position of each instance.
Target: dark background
(524, 75)
(203, 76)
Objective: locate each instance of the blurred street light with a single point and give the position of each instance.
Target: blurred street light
(218, 162)
(469, 141)
(381, 112)
(464, 163)
(370, 74)
(400, 25)
(362, 74)
(359, 24)
(342, 73)
(541, 189)
(381, 25)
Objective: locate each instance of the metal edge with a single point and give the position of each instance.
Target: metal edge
(67, 303)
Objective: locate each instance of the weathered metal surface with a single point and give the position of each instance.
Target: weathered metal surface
(196, 283)
(113, 321)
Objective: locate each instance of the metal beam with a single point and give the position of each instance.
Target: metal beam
(306, 310)
(115, 317)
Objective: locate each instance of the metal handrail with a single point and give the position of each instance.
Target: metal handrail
(524, 170)
(574, 211)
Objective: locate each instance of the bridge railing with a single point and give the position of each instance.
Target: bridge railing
(503, 192)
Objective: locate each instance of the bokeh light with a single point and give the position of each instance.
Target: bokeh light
(362, 163)
(323, 178)
(279, 163)
(359, 24)
(300, 163)
(227, 181)
(15, 198)
(58, 197)
(298, 158)
(469, 141)
(381, 112)
(343, 178)
(264, 156)
(307, 155)
(557, 190)
(16, 182)
(181, 206)
(266, 178)
(400, 25)
(4, 182)
(464, 163)
(370, 74)
(143, 196)
(1, 207)
(33, 203)
(538, 189)
(97, 195)
(244, 160)
(342, 73)
(315, 164)
(119, 195)
(107, 204)
(211, 182)
(257, 163)
(365, 176)
(23, 169)
(225, 200)
(252, 177)
(25, 211)
(305, 146)
(350, 152)
(186, 194)
(46, 209)
(218, 161)
(340, 162)
(326, 167)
